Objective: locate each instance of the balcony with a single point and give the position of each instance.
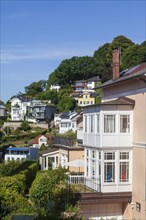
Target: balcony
(84, 184)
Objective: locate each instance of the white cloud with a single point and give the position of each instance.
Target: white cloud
(20, 53)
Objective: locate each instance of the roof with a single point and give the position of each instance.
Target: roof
(36, 140)
(54, 149)
(18, 148)
(92, 94)
(64, 115)
(23, 98)
(93, 79)
(119, 101)
(134, 72)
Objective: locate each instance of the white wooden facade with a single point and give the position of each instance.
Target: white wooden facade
(108, 149)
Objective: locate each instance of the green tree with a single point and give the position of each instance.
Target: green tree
(66, 104)
(25, 126)
(103, 60)
(48, 95)
(134, 55)
(76, 68)
(35, 88)
(48, 189)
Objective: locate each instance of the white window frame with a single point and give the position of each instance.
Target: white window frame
(109, 125)
(109, 175)
(127, 128)
(124, 175)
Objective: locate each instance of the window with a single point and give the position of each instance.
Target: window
(109, 156)
(91, 123)
(109, 123)
(65, 125)
(124, 167)
(109, 172)
(87, 168)
(109, 167)
(124, 155)
(93, 153)
(93, 168)
(85, 123)
(124, 123)
(138, 206)
(97, 117)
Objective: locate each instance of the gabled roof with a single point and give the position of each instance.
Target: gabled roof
(128, 74)
(22, 98)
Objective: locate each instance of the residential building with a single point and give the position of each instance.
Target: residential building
(57, 119)
(60, 156)
(39, 111)
(88, 84)
(41, 140)
(87, 98)
(3, 111)
(79, 85)
(92, 82)
(68, 122)
(19, 107)
(114, 140)
(55, 87)
(20, 153)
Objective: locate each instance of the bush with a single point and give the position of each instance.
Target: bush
(25, 126)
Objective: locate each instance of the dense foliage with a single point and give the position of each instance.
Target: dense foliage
(15, 181)
(73, 69)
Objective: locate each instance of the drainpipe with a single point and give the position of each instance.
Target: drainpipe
(145, 142)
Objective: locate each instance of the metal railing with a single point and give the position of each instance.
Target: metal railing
(92, 184)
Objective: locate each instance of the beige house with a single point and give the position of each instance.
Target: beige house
(114, 141)
(60, 156)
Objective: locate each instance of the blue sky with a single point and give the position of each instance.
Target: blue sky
(37, 35)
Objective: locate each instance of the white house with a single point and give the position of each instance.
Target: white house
(19, 107)
(20, 153)
(55, 87)
(41, 139)
(57, 119)
(68, 122)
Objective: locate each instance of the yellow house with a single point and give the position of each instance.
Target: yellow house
(87, 98)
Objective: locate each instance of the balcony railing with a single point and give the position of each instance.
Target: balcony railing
(88, 184)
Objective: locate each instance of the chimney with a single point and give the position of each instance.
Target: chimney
(116, 64)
